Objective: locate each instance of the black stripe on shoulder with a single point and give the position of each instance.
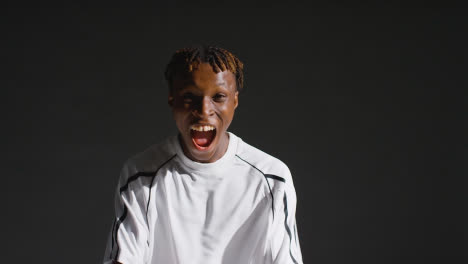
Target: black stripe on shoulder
(278, 178)
(124, 213)
(269, 187)
(275, 177)
(134, 177)
(143, 174)
(250, 164)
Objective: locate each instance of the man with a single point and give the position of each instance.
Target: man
(204, 196)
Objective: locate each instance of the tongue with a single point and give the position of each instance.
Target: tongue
(202, 138)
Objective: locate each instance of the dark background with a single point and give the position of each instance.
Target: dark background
(363, 103)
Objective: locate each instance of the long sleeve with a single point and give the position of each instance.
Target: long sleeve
(128, 238)
(285, 245)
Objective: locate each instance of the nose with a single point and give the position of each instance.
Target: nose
(204, 108)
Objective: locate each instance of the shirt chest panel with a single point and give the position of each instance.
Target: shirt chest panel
(207, 215)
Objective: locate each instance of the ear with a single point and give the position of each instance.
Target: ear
(170, 100)
(236, 99)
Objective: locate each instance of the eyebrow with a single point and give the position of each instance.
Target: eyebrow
(190, 84)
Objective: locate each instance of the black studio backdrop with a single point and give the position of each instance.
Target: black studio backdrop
(363, 104)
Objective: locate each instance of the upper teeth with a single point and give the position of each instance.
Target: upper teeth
(202, 128)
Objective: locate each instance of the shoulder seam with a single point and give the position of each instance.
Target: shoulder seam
(269, 187)
(151, 183)
(272, 176)
(123, 189)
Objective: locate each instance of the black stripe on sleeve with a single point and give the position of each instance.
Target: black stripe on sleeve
(266, 176)
(119, 221)
(112, 237)
(124, 213)
(295, 235)
(285, 200)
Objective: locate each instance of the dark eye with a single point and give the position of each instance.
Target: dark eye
(187, 97)
(219, 97)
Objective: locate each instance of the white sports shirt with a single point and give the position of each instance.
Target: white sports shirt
(239, 209)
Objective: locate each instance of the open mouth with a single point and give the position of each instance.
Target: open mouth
(202, 135)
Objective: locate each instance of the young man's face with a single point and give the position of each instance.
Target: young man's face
(203, 105)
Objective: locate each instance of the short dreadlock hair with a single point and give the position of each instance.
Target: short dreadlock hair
(186, 60)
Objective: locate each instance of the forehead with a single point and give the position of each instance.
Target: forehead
(205, 77)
